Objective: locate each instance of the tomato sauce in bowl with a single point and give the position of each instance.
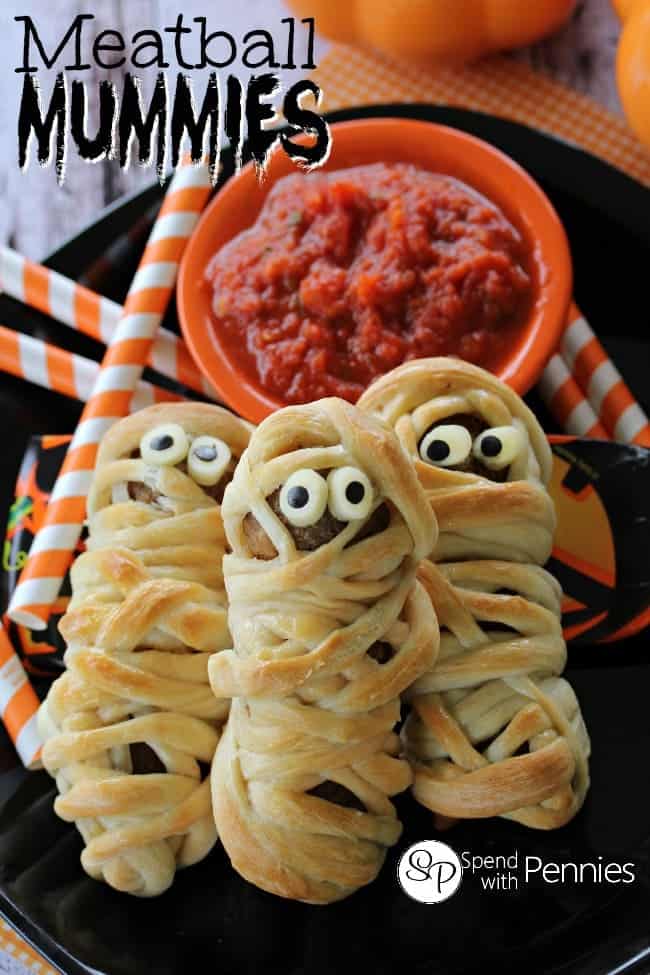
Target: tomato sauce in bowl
(345, 274)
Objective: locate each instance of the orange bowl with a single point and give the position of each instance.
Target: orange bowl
(434, 147)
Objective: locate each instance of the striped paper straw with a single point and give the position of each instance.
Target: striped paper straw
(566, 401)
(594, 371)
(18, 704)
(120, 372)
(64, 372)
(85, 311)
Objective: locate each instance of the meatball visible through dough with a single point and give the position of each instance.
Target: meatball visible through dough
(312, 537)
(138, 491)
(475, 425)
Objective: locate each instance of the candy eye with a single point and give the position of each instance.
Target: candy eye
(497, 448)
(446, 446)
(207, 460)
(303, 498)
(350, 494)
(164, 445)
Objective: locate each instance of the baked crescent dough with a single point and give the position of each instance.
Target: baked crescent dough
(477, 518)
(494, 730)
(131, 726)
(329, 627)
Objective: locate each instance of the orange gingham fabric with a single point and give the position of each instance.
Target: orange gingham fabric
(500, 86)
(21, 954)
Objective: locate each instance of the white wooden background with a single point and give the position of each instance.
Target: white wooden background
(36, 215)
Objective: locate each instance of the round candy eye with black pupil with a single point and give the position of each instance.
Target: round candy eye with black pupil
(207, 460)
(350, 494)
(497, 447)
(447, 445)
(165, 445)
(303, 498)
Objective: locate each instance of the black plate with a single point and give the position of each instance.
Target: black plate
(211, 920)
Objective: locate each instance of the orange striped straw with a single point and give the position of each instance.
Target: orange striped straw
(594, 371)
(64, 372)
(120, 372)
(18, 704)
(85, 311)
(566, 401)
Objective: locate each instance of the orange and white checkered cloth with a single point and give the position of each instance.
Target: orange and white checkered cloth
(20, 958)
(499, 85)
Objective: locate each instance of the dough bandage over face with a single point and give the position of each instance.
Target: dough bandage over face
(328, 628)
(478, 517)
(132, 724)
(494, 730)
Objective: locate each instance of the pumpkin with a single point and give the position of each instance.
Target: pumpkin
(431, 32)
(633, 64)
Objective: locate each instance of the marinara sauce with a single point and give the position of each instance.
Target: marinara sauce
(347, 274)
